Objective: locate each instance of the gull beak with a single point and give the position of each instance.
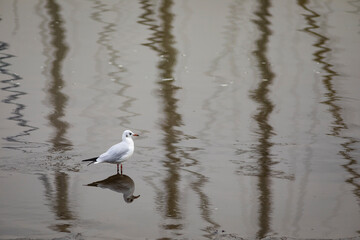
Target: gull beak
(136, 135)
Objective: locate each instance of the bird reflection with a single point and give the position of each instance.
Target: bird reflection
(119, 183)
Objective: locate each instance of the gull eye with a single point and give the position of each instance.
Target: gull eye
(130, 134)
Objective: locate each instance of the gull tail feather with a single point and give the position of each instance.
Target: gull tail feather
(91, 160)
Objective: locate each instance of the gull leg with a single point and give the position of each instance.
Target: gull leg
(117, 168)
(121, 168)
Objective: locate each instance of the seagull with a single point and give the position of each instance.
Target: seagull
(117, 153)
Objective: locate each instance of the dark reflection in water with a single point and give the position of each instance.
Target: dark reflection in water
(57, 196)
(162, 41)
(55, 52)
(323, 57)
(265, 108)
(102, 8)
(14, 94)
(118, 183)
(205, 205)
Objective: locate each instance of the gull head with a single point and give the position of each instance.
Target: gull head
(130, 199)
(128, 134)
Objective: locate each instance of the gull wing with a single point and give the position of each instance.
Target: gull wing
(114, 154)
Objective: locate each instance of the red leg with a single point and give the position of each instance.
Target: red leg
(121, 168)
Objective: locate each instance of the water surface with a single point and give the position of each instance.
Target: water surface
(248, 114)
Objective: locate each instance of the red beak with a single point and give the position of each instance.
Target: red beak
(136, 135)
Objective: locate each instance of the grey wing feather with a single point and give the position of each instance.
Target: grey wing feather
(114, 153)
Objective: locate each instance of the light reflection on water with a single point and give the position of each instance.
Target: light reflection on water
(113, 57)
(235, 139)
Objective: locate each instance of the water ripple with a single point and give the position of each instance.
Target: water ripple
(13, 89)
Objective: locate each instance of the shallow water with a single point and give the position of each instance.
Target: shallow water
(248, 114)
